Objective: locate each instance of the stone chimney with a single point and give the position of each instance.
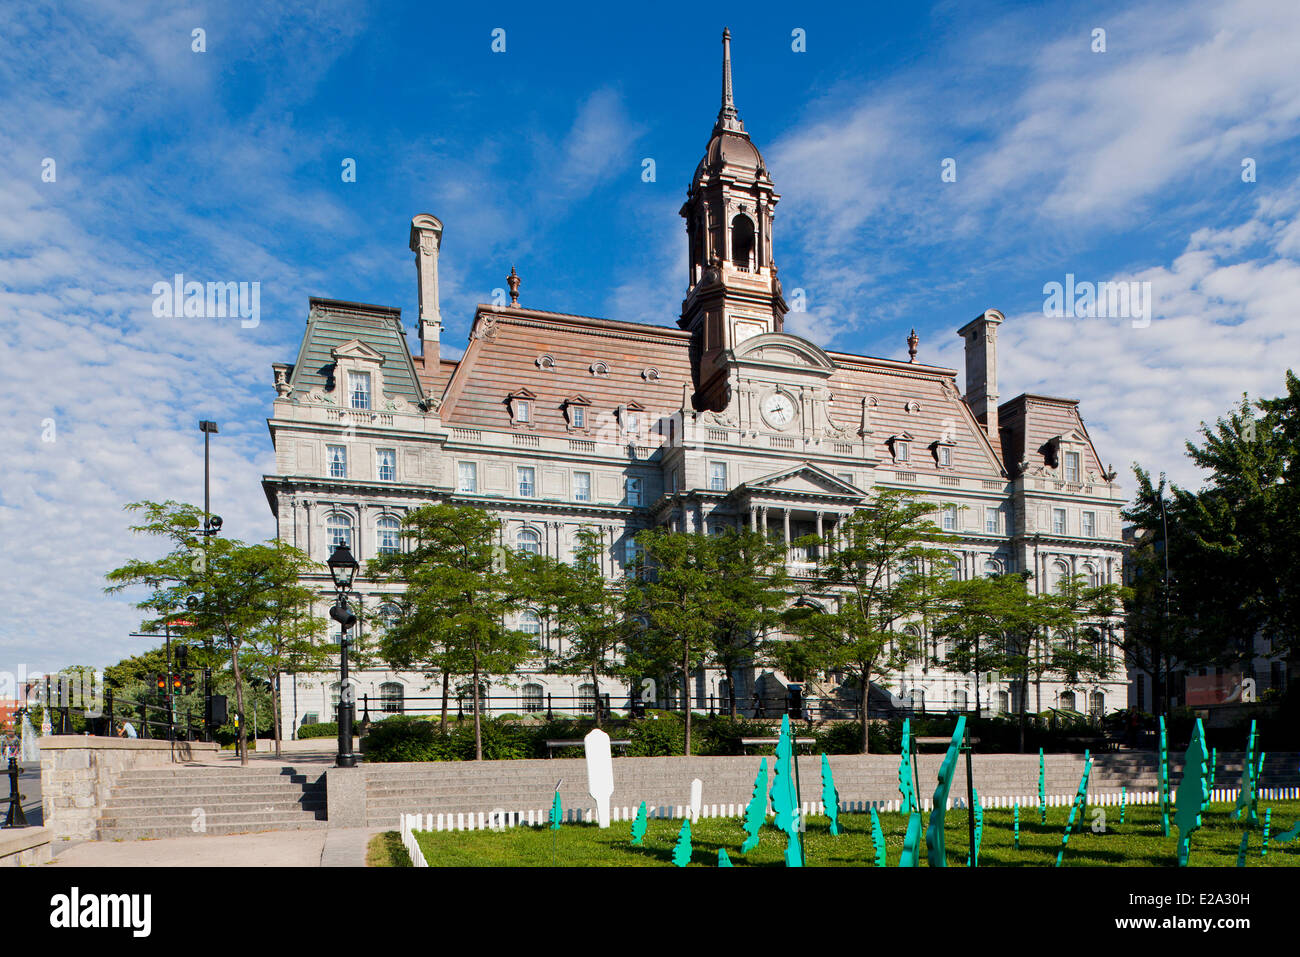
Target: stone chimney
(981, 335)
(426, 240)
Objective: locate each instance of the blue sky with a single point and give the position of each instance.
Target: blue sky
(225, 165)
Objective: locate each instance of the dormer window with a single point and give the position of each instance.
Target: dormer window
(520, 405)
(742, 243)
(629, 418)
(576, 412)
(900, 446)
(359, 390)
(1072, 467)
(942, 453)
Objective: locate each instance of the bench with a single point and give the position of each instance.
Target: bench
(745, 743)
(553, 743)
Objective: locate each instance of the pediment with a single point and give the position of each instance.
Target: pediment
(805, 479)
(784, 350)
(356, 349)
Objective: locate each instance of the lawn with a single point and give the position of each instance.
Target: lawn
(1135, 843)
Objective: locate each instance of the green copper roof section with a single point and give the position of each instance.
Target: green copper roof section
(331, 324)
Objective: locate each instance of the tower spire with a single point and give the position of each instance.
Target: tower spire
(728, 118)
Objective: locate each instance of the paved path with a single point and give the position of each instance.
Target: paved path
(337, 847)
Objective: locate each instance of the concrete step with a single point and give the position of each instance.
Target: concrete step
(155, 832)
(175, 806)
(214, 816)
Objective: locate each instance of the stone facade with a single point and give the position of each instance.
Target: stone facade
(556, 421)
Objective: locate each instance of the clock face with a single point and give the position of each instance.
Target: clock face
(778, 410)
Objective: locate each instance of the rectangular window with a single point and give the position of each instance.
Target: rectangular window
(359, 392)
(467, 477)
(901, 451)
(582, 486)
(527, 481)
(1058, 521)
(945, 455)
(991, 521)
(845, 477)
(1090, 524)
(338, 459)
(634, 491)
(630, 555)
(718, 476)
(950, 518)
(579, 417)
(631, 422)
(1072, 466)
(523, 410)
(386, 464)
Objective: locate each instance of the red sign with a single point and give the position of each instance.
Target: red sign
(1218, 689)
(183, 623)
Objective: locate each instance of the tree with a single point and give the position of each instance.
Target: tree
(226, 587)
(973, 623)
(1077, 619)
(460, 586)
(885, 573)
(586, 612)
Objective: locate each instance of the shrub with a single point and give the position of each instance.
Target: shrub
(323, 729)
(408, 739)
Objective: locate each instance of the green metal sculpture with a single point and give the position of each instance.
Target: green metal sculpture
(1079, 797)
(1214, 766)
(723, 859)
(877, 839)
(905, 788)
(1242, 848)
(1192, 792)
(911, 856)
(1164, 779)
(830, 796)
(557, 813)
(1042, 788)
(639, 825)
(785, 800)
(1015, 812)
(682, 850)
(1123, 798)
(1268, 820)
(756, 812)
(1284, 837)
(934, 830)
(973, 860)
(1246, 799)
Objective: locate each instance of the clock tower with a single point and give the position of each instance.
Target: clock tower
(732, 293)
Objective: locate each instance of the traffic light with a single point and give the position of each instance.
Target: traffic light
(182, 657)
(176, 684)
(162, 684)
(189, 682)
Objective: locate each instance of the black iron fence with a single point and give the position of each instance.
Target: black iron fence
(76, 708)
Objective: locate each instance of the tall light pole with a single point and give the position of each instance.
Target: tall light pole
(343, 567)
(211, 523)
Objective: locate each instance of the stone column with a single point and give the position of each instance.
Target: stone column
(785, 515)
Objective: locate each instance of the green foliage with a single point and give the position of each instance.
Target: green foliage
(322, 729)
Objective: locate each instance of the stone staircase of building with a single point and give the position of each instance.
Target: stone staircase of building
(472, 787)
(184, 800)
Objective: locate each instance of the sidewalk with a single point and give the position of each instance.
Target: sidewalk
(339, 847)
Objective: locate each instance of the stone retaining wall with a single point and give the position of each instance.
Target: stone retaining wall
(77, 775)
(21, 846)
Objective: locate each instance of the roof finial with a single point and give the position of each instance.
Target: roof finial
(513, 281)
(912, 341)
(728, 118)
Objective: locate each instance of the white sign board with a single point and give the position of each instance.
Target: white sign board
(697, 795)
(600, 773)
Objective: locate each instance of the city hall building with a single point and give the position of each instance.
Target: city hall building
(721, 419)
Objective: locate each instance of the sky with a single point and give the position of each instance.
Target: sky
(932, 160)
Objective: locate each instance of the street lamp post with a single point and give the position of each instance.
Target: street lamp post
(343, 567)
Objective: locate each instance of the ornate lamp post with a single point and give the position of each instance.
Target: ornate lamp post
(343, 567)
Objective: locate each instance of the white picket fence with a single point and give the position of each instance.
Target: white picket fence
(499, 819)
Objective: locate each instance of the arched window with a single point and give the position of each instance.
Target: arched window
(952, 566)
(959, 700)
(530, 623)
(1096, 704)
(388, 615)
(1090, 576)
(390, 539)
(587, 698)
(391, 698)
(533, 698)
(992, 568)
(1067, 701)
(1056, 576)
(334, 701)
(338, 530)
(1003, 702)
(742, 243)
(528, 542)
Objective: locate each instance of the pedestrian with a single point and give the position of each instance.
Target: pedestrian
(128, 730)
